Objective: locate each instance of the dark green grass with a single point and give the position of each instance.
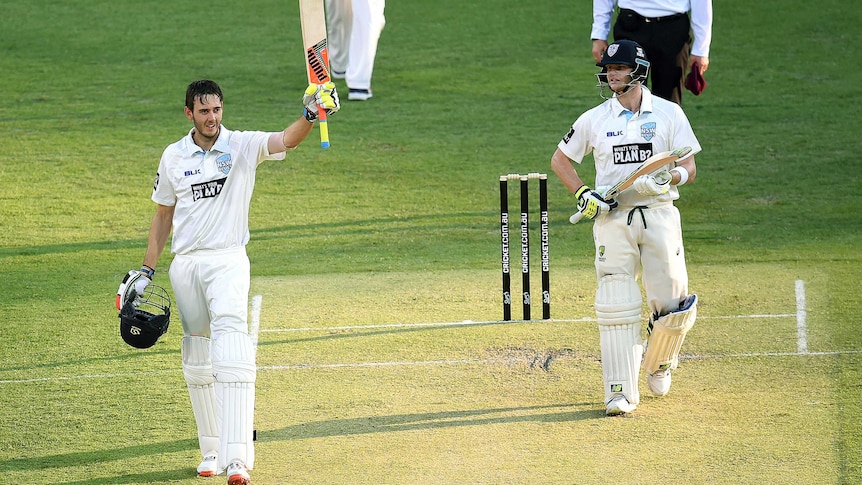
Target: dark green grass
(403, 210)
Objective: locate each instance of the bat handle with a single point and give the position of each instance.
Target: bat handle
(324, 127)
(577, 216)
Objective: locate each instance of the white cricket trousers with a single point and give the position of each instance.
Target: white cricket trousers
(631, 240)
(211, 288)
(353, 30)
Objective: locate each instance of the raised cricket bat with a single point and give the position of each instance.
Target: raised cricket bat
(650, 165)
(313, 19)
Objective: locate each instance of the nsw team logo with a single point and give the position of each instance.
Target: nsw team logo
(648, 131)
(224, 163)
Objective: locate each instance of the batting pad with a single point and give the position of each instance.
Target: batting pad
(618, 311)
(235, 373)
(198, 371)
(666, 334)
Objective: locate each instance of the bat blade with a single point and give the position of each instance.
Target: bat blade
(313, 18)
(650, 165)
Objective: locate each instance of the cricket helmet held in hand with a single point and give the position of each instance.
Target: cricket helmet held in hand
(146, 318)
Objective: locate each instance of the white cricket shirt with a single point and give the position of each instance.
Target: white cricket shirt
(621, 140)
(211, 190)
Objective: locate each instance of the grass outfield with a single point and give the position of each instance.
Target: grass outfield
(381, 356)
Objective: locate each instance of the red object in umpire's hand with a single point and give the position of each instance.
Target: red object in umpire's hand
(695, 82)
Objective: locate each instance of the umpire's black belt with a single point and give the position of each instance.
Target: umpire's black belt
(649, 20)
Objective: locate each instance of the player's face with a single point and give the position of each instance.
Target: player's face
(206, 116)
(619, 76)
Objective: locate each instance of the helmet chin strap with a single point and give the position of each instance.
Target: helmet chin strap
(603, 84)
(628, 88)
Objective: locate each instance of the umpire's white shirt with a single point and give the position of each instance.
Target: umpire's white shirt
(211, 190)
(620, 140)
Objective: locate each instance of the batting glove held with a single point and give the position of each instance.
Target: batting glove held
(591, 204)
(652, 185)
(323, 95)
(132, 287)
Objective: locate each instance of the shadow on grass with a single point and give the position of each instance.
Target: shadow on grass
(358, 331)
(161, 476)
(551, 413)
(426, 421)
(132, 355)
(85, 458)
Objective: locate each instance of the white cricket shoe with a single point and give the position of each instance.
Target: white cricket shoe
(359, 94)
(237, 474)
(659, 382)
(619, 405)
(209, 466)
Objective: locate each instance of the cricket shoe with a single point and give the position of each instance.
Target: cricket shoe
(209, 466)
(619, 405)
(237, 474)
(659, 382)
(359, 94)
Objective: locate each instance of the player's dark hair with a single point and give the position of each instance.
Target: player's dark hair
(199, 89)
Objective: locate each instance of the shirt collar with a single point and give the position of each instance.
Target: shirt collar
(646, 103)
(221, 144)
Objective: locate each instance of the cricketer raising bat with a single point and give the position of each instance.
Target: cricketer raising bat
(313, 19)
(651, 164)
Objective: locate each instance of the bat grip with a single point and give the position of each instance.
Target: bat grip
(324, 127)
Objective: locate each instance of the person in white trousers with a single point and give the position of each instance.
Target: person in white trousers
(353, 28)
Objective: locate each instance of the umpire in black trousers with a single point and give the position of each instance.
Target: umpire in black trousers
(666, 42)
(666, 37)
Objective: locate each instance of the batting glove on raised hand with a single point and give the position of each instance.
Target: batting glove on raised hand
(651, 185)
(323, 95)
(591, 204)
(132, 287)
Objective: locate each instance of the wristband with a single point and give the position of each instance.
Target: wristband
(581, 190)
(150, 272)
(683, 174)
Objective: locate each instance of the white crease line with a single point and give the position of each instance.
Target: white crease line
(87, 376)
(256, 304)
(375, 364)
(493, 322)
(359, 365)
(801, 317)
(767, 354)
(743, 317)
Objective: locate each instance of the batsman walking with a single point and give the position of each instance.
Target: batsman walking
(203, 189)
(638, 234)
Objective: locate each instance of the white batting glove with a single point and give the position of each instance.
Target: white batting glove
(134, 281)
(323, 95)
(652, 185)
(591, 204)
(141, 284)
